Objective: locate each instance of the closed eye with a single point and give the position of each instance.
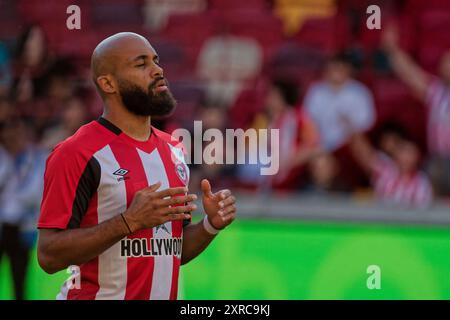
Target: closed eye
(140, 65)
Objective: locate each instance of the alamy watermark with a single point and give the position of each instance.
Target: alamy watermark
(374, 20)
(74, 280)
(73, 21)
(374, 280)
(234, 146)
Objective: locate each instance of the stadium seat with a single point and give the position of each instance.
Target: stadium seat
(394, 102)
(432, 35)
(261, 26)
(190, 31)
(327, 34)
(235, 5)
(106, 13)
(34, 11)
(173, 59)
(301, 63)
(190, 95)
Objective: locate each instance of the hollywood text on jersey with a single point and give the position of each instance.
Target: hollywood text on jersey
(144, 247)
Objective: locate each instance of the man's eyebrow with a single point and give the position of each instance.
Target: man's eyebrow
(142, 56)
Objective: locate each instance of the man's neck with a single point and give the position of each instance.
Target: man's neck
(137, 127)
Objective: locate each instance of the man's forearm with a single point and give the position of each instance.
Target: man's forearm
(195, 240)
(408, 71)
(63, 248)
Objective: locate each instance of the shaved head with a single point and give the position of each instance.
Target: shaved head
(126, 71)
(104, 58)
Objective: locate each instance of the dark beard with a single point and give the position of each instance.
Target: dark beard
(141, 103)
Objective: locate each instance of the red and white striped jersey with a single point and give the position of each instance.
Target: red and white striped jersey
(438, 104)
(92, 177)
(404, 190)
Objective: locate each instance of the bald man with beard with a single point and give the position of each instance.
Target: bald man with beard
(116, 208)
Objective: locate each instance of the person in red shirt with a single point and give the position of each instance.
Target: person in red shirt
(115, 200)
(434, 92)
(394, 169)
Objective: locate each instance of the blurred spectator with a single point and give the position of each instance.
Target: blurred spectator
(390, 136)
(157, 12)
(324, 175)
(73, 117)
(212, 117)
(5, 71)
(435, 93)
(5, 111)
(20, 197)
(396, 178)
(336, 95)
(226, 62)
(57, 90)
(32, 60)
(298, 137)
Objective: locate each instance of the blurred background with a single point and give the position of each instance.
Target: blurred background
(364, 120)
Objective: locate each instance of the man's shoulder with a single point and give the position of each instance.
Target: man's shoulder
(175, 145)
(166, 137)
(87, 140)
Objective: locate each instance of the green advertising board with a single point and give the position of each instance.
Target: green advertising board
(262, 259)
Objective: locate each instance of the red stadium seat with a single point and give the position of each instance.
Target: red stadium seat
(190, 96)
(190, 31)
(248, 103)
(238, 5)
(117, 12)
(261, 26)
(301, 63)
(435, 21)
(433, 39)
(35, 11)
(327, 34)
(419, 6)
(173, 59)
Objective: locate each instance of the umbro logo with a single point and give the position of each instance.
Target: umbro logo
(162, 226)
(121, 173)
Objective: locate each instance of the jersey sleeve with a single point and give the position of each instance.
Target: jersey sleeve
(71, 178)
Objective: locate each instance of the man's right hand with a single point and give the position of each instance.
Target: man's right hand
(151, 208)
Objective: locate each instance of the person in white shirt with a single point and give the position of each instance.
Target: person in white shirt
(22, 167)
(434, 91)
(226, 62)
(338, 95)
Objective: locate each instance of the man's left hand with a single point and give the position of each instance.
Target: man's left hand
(220, 206)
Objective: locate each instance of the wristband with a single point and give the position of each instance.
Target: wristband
(208, 227)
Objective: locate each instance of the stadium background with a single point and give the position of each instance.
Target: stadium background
(288, 251)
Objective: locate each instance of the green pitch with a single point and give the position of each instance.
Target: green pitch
(301, 260)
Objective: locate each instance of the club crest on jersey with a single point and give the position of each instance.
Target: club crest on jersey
(180, 169)
(121, 173)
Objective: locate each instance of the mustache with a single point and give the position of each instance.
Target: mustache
(154, 84)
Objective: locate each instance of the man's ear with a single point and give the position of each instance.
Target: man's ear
(107, 84)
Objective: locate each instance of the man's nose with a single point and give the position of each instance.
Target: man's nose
(157, 72)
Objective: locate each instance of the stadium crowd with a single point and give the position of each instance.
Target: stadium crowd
(357, 109)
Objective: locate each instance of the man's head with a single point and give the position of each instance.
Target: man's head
(126, 69)
(281, 94)
(15, 135)
(407, 156)
(338, 69)
(390, 136)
